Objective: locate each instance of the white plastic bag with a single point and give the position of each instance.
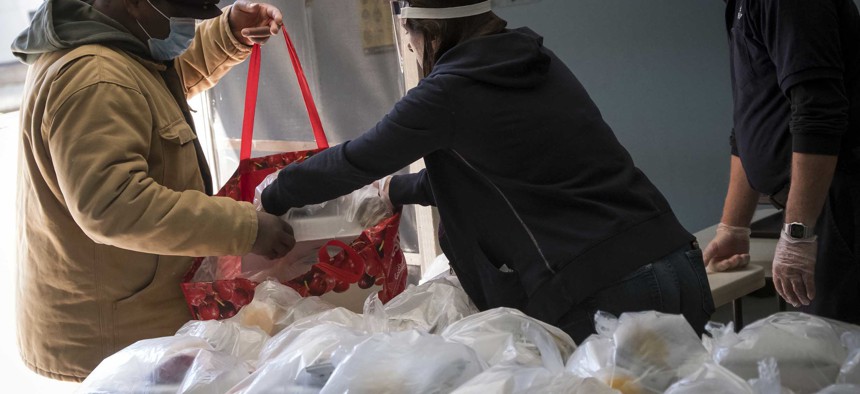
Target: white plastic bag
(841, 389)
(177, 364)
(505, 335)
(430, 307)
(403, 362)
(275, 306)
(340, 317)
(849, 373)
(513, 379)
(769, 378)
(807, 349)
(342, 219)
(302, 365)
(713, 379)
(229, 337)
(641, 352)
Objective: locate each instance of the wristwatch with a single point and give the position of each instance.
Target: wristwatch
(797, 230)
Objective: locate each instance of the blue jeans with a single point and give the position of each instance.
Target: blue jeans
(675, 284)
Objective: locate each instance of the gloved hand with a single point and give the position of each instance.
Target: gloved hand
(729, 249)
(794, 269)
(258, 191)
(369, 205)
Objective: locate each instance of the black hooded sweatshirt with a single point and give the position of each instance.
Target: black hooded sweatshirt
(540, 204)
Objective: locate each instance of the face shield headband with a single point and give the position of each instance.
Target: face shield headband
(403, 11)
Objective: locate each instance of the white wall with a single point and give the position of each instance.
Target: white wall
(14, 18)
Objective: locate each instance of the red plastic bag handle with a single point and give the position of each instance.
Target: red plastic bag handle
(251, 99)
(340, 274)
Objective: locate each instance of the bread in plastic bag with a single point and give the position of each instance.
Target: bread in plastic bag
(176, 364)
(430, 307)
(505, 335)
(275, 306)
(228, 336)
(403, 362)
(640, 352)
(808, 349)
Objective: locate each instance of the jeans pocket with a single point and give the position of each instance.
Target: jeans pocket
(639, 291)
(697, 265)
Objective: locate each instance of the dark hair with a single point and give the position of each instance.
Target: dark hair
(447, 33)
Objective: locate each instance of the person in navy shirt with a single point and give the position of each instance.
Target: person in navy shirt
(541, 207)
(795, 67)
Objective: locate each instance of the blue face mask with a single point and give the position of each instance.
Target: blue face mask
(181, 35)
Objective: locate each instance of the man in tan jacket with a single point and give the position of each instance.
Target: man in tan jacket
(112, 192)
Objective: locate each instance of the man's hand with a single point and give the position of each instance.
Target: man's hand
(274, 237)
(254, 23)
(794, 269)
(729, 249)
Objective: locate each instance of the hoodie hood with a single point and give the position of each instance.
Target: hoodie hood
(512, 59)
(64, 24)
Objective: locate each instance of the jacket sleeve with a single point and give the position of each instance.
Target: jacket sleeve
(419, 124)
(103, 175)
(411, 189)
(211, 55)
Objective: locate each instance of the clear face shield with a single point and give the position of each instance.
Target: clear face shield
(401, 11)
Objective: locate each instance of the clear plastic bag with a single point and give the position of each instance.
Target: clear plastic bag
(275, 306)
(343, 219)
(403, 362)
(512, 379)
(849, 373)
(769, 378)
(282, 341)
(303, 364)
(641, 352)
(713, 379)
(229, 337)
(504, 335)
(808, 349)
(841, 389)
(177, 364)
(430, 307)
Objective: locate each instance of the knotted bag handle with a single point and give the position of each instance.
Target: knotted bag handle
(251, 99)
(338, 273)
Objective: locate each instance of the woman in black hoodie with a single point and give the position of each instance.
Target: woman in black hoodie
(541, 207)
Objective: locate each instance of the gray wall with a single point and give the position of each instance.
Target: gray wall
(659, 72)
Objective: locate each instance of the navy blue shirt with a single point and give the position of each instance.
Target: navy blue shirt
(540, 204)
(794, 66)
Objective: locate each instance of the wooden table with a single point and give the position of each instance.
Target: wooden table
(732, 286)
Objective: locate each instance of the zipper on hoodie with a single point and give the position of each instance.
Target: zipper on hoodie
(511, 206)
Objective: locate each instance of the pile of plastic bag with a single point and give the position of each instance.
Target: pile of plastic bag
(432, 339)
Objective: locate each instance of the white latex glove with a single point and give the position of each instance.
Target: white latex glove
(368, 206)
(794, 269)
(258, 191)
(729, 249)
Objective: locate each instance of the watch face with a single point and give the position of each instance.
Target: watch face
(796, 231)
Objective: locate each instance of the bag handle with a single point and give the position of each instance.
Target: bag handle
(251, 99)
(338, 273)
